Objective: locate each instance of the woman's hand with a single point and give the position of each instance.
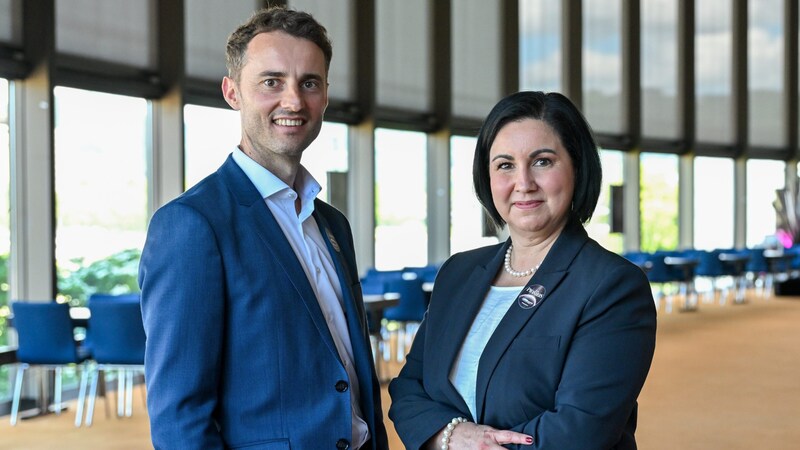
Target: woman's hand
(469, 435)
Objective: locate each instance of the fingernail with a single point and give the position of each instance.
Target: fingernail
(529, 440)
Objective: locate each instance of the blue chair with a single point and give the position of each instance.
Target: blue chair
(407, 315)
(46, 340)
(99, 296)
(757, 269)
(711, 267)
(118, 342)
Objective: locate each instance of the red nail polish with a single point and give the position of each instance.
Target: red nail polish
(529, 440)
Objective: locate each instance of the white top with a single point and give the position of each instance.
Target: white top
(305, 238)
(464, 374)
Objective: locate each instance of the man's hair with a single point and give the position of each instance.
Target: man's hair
(295, 23)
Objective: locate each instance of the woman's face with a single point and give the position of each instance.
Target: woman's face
(531, 177)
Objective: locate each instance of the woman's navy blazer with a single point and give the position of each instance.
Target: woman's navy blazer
(566, 363)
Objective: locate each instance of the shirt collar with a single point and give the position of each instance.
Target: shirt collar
(268, 184)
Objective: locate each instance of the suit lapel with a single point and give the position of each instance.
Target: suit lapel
(462, 309)
(281, 251)
(528, 302)
(356, 320)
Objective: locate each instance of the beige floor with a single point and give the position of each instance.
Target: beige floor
(724, 377)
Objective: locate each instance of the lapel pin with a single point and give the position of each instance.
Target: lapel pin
(334, 244)
(531, 296)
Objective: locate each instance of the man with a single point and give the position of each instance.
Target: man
(256, 332)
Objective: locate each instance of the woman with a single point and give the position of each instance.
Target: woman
(545, 340)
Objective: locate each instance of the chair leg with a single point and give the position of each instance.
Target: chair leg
(120, 392)
(81, 395)
(129, 393)
(95, 374)
(57, 391)
(17, 394)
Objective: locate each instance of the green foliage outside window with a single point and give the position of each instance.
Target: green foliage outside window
(116, 274)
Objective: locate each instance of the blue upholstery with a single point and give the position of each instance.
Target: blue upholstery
(412, 300)
(99, 296)
(45, 335)
(118, 343)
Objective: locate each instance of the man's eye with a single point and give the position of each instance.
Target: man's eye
(270, 83)
(310, 84)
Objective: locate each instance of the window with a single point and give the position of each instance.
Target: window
(713, 203)
(466, 212)
(659, 44)
(602, 65)
(764, 177)
(210, 135)
(327, 156)
(599, 228)
(101, 191)
(540, 45)
(765, 64)
(401, 235)
(658, 201)
(5, 231)
(713, 70)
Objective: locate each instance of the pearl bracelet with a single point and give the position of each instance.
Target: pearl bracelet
(448, 430)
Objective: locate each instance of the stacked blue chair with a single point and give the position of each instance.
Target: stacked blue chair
(46, 340)
(710, 267)
(408, 314)
(734, 263)
(757, 269)
(118, 343)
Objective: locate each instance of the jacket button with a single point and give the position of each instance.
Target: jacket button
(341, 386)
(342, 444)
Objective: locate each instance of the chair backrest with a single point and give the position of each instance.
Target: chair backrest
(45, 333)
(412, 304)
(99, 296)
(116, 332)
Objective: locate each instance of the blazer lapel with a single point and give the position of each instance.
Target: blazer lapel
(267, 229)
(465, 304)
(356, 320)
(537, 291)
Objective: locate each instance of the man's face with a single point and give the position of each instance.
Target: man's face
(282, 94)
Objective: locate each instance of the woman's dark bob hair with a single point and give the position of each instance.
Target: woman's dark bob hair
(563, 117)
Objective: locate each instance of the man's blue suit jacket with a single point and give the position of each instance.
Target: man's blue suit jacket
(565, 365)
(238, 352)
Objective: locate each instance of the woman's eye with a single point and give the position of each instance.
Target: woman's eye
(542, 162)
(504, 166)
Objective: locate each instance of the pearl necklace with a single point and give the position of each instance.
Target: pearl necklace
(511, 271)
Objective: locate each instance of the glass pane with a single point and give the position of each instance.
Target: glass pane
(403, 42)
(5, 231)
(401, 235)
(128, 30)
(660, 69)
(602, 65)
(466, 213)
(713, 203)
(713, 71)
(326, 155)
(540, 45)
(658, 201)
(765, 73)
(476, 60)
(101, 191)
(210, 135)
(599, 228)
(764, 177)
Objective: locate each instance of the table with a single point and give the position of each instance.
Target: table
(685, 265)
